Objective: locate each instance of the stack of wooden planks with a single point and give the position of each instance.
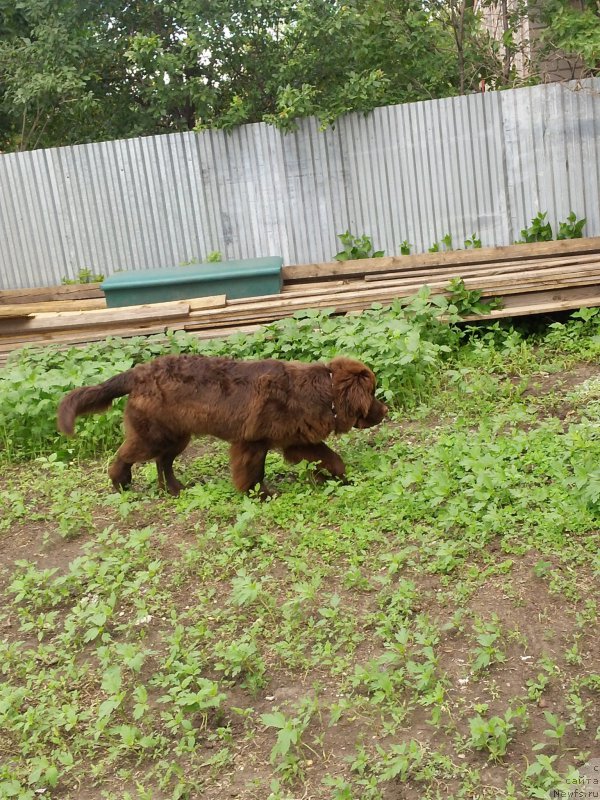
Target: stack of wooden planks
(529, 278)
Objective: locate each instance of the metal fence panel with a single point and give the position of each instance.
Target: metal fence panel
(483, 164)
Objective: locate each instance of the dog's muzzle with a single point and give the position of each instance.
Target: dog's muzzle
(376, 413)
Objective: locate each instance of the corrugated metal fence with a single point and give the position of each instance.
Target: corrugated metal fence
(481, 164)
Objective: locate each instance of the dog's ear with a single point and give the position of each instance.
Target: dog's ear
(355, 384)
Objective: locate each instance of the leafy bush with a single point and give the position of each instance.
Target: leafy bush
(405, 344)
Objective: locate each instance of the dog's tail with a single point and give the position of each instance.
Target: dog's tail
(90, 399)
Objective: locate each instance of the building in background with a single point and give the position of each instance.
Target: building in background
(518, 26)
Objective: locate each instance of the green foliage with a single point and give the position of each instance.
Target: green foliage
(541, 777)
(84, 275)
(445, 244)
(540, 229)
(405, 345)
(556, 730)
(171, 642)
(214, 256)
(493, 734)
(486, 651)
(571, 228)
(572, 30)
(536, 686)
(356, 247)
(473, 242)
(241, 659)
(405, 248)
(75, 74)
(288, 751)
(468, 301)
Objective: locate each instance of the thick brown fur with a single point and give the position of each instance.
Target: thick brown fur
(257, 406)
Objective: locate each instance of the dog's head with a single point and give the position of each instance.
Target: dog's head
(354, 394)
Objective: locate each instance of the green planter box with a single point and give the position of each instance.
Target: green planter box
(249, 277)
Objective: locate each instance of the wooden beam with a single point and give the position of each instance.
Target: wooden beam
(27, 310)
(387, 291)
(74, 291)
(485, 255)
(126, 316)
(487, 269)
(65, 344)
(361, 300)
(66, 320)
(214, 301)
(544, 303)
(450, 271)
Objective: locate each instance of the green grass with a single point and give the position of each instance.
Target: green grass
(428, 630)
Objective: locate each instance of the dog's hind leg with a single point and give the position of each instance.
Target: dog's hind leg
(120, 470)
(164, 466)
(133, 450)
(325, 458)
(120, 474)
(248, 466)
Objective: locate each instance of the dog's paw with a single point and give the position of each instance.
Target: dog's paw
(262, 492)
(320, 477)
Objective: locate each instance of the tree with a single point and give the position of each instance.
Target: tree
(78, 70)
(60, 76)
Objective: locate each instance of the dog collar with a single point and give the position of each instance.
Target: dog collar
(333, 411)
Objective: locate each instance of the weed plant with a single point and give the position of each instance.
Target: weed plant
(356, 247)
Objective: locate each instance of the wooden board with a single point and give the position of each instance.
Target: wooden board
(66, 320)
(557, 295)
(320, 289)
(486, 255)
(544, 303)
(360, 301)
(78, 337)
(516, 305)
(496, 277)
(469, 270)
(215, 301)
(28, 309)
(68, 343)
(23, 310)
(364, 293)
(74, 291)
(544, 277)
(127, 327)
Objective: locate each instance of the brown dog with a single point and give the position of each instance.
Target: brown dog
(255, 405)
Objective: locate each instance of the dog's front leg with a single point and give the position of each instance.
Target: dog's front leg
(326, 459)
(169, 450)
(248, 466)
(166, 477)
